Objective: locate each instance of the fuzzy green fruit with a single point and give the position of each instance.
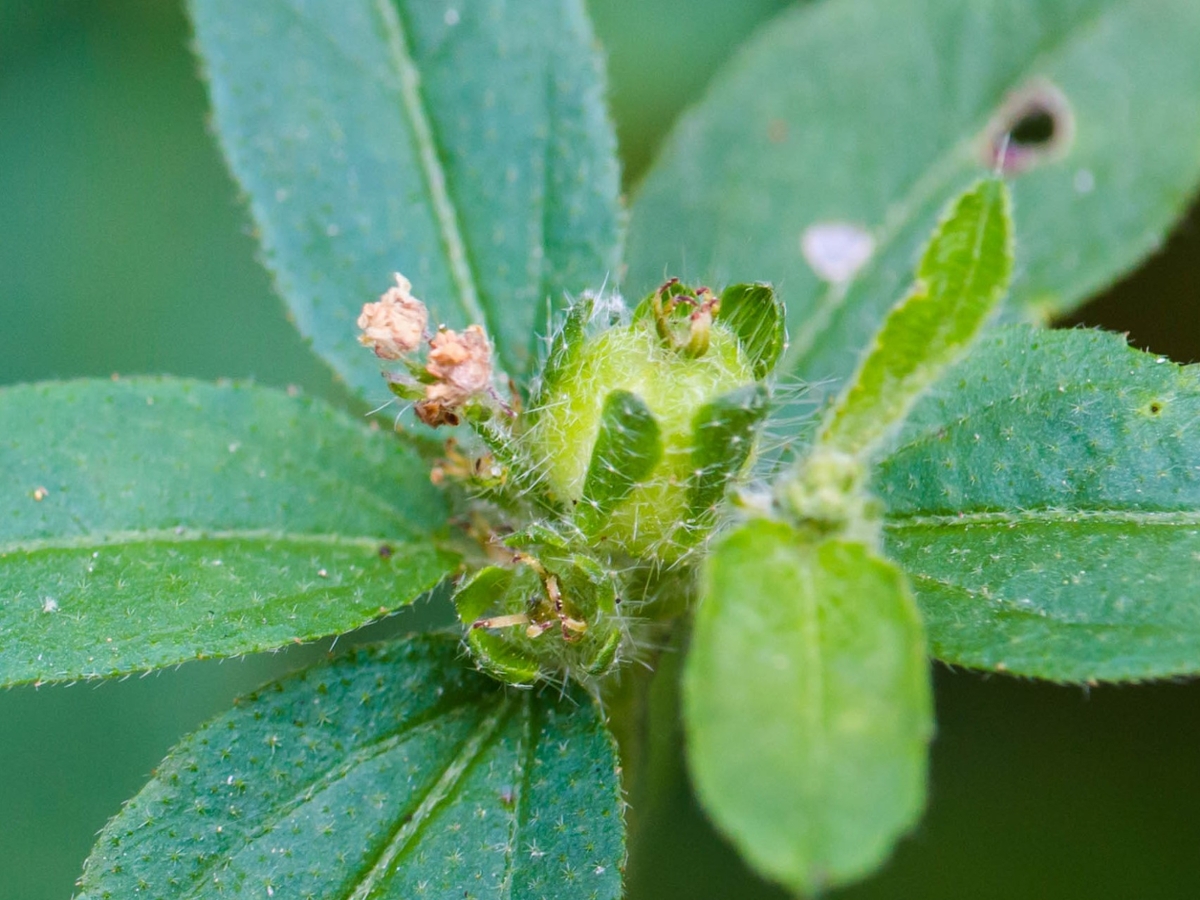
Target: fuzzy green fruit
(653, 518)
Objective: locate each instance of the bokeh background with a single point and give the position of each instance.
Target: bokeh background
(124, 249)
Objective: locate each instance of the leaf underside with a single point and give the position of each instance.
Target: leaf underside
(467, 147)
(1044, 499)
(801, 140)
(393, 772)
(147, 522)
(807, 704)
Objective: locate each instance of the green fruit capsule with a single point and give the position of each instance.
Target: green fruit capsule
(640, 428)
(544, 616)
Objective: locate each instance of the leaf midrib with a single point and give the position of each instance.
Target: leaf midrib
(432, 170)
(97, 540)
(1048, 516)
(442, 789)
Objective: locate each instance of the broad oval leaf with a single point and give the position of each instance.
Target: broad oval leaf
(393, 772)
(807, 704)
(147, 522)
(1044, 499)
(959, 282)
(822, 170)
(465, 145)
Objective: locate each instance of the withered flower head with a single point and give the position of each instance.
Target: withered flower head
(462, 365)
(396, 324)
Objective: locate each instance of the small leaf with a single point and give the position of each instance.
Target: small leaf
(1044, 498)
(147, 522)
(758, 319)
(391, 772)
(807, 704)
(467, 147)
(823, 170)
(724, 432)
(962, 276)
(628, 447)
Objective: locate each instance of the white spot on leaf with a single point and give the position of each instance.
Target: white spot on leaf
(836, 251)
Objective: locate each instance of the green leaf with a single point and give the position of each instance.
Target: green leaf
(466, 146)
(147, 522)
(961, 278)
(802, 145)
(724, 432)
(628, 447)
(758, 319)
(807, 704)
(393, 772)
(1044, 498)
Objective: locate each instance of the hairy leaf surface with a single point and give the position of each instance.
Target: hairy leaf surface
(807, 704)
(959, 282)
(1045, 500)
(393, 772)
(147, 522)
(464, 145)
(822, 170)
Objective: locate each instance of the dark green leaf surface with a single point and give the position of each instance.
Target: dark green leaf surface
(1045, 501)
(799, 133)
(961, 278)
(628, 447)
(807, 704)
(394, 772)
(180, 520)
(464, 145)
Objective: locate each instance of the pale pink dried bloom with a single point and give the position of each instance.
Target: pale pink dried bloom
(462, 365)
(396, 324)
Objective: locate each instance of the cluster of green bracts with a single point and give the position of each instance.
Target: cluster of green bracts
(638, 426)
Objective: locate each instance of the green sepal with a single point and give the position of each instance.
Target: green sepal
(564, 344)
(753, 313)
(520, 635)
(493, 654)
(723, 439)
(628, 447)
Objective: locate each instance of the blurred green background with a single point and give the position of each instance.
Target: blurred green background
(123, 248)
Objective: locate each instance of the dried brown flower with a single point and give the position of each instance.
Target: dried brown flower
(462, 365)
(396, 324)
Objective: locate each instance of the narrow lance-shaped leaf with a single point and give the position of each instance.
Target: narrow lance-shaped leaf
(962, 276)
(807, 704)
(1044, 498)
(394, 772)
(628, 447)
(466, 146)
(822, 171)
(147, 522)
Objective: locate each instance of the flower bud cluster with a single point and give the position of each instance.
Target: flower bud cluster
(458, 367)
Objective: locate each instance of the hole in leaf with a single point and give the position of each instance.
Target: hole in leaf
(1034, 124)
(1155, 407)
(1034, 128)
